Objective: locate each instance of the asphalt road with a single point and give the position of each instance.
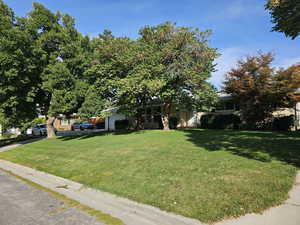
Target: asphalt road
(22, 204)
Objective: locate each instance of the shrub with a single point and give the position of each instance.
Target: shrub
(173, 122)
(283, 123)
(121, 124)
(39, 121)
(213, 121)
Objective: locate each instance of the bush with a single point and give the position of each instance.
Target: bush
(39, 121)
(121, 124)
(283, 123)
(213, 121)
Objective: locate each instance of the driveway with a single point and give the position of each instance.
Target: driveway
(22, 204)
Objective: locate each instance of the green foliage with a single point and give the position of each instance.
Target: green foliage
(215, 121)
(286, 16)
(19, 79)
(185, 61)
(121, 124)
(233, 121)
(39, 121)
(42, 61)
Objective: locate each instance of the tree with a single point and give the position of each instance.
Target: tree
(185, 62)
(18, 73)
(286, 16)
(43, 58)
(62, 54)
(107, 65)
(260, 89)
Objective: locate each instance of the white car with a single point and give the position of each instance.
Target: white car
(39, 130)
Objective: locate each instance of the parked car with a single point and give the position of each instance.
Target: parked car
(85, 126)
(82, 126)
(39, 130)
(76, 126)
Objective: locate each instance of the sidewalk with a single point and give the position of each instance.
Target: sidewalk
(132, 213)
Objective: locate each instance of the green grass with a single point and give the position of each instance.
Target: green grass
(205, 174)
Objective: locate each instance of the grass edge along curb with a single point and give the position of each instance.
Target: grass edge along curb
(70, 203)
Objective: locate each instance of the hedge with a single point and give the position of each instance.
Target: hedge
(214, 121)
(232, 121)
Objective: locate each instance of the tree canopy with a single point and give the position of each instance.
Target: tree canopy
(285, 16)
(43, 58)
(167, 64)
(260, 89)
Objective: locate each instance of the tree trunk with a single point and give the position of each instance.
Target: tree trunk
(166, 115)
(50, 127)
(139, 122)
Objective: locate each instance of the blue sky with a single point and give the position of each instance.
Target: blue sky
(240, 27)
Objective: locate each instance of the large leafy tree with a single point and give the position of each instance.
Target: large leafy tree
(168, 64)
(107, 65)
(286, 16)
(260, 89)
(19, 76)
(43, 59)
(185, 62)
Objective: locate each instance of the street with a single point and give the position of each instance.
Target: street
(22, 204)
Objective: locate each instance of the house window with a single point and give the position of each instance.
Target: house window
(64, 122)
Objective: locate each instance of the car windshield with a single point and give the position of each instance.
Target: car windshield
(43, 126)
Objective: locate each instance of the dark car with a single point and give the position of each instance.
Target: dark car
(76, 126)
(85, 126)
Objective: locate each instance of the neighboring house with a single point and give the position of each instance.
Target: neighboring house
(65, 123)
(189, 119)
(152, 118)
(227, 106)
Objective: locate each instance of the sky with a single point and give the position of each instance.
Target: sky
(239, 27)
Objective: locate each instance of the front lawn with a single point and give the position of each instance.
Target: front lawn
(205, 174)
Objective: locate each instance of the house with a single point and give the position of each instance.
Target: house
(189, 119)
(65, 123)
(151, 116)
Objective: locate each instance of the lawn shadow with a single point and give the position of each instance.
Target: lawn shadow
(258, 145)
(98, 134)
